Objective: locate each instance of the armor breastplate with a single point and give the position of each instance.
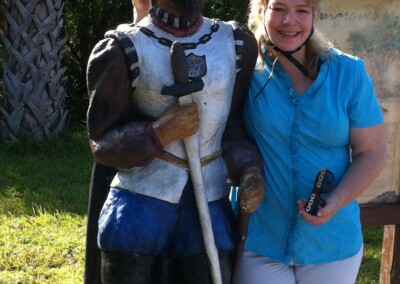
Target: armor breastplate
(160, 179)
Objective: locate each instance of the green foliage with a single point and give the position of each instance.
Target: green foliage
(85, 25)
(227, 10)
(1, 51)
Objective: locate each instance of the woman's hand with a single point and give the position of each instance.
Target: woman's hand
(323, 214)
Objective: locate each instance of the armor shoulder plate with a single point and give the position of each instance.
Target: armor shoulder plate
(128, 47)
(238, 36)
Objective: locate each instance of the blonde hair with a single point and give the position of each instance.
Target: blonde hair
(316, 46)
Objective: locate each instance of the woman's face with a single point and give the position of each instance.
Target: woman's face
(288, 22)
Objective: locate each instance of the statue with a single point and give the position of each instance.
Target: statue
(172, 80)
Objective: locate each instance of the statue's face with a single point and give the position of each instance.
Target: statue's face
(189, 9)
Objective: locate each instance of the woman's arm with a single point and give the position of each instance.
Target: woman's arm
(369, 152)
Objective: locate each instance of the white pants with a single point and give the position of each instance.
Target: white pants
(257, 269)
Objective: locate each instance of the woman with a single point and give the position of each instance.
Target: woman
(140, 9)
(310, 107)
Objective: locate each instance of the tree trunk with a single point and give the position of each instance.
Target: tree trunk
(34, 81)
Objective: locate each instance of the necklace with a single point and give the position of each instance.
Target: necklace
(186, 45)
(170, 19)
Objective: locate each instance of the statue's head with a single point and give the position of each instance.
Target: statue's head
(188, 9)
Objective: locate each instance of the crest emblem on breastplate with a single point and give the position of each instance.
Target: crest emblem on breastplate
(197, 65)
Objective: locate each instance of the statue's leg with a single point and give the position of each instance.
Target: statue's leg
(134, 236)
(226, 260)
(195, 269)
(192, 261)
(124, 268)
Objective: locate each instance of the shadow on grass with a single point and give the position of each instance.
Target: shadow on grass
(48, 176)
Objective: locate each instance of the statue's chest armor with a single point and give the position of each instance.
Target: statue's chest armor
(215, 62)
(212, 61)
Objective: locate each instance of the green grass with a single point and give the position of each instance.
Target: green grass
(46, 248)
(43, 204)
(52, 176)
(371, 262)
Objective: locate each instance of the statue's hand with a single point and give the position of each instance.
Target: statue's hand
(177, 123)
(252, 186)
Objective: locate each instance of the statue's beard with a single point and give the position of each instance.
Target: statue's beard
(189, 9)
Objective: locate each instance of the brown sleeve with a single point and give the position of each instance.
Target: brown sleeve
(117, 136)
(240, 152)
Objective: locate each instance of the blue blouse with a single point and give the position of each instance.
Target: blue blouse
(298, 136)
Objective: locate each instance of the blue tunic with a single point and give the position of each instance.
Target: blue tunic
(298, 136)
(131, 222)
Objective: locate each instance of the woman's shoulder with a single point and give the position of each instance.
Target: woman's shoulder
(345, 61)
(343, 57)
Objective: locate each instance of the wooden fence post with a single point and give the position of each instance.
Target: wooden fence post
(387, 254)
(388, 215)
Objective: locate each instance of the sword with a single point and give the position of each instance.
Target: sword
(243, 223)
(183, 88)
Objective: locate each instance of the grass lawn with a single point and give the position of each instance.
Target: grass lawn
(43, 204)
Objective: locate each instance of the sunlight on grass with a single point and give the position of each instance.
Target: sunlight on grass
(371, 262)
(43, 204)
(42, 249)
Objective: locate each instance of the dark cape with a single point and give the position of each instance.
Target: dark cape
(99, 188)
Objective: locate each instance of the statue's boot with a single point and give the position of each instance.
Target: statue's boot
(126, 268)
